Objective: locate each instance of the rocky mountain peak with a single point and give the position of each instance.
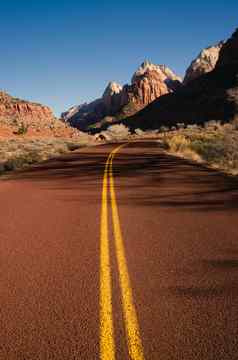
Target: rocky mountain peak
(204, 62)
(162, 71)
(112, 89)
(211, 95)
(149, 82)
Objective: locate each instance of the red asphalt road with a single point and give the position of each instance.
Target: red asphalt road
(179, 225)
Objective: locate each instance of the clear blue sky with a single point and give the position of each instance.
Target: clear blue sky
(62, 53)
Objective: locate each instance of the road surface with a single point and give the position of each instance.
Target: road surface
(117, 253)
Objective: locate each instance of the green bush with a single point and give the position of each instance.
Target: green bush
(215, 144)
(209, 151)
(22, 129)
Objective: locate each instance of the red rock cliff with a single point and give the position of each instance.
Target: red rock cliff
(38, 120)
(13, 108)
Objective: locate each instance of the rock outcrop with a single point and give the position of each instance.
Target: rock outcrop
(11, 107)
(163, 74)
(204, 63)
(211, 96)
(18, 117)
(148, 83)
(112, 97)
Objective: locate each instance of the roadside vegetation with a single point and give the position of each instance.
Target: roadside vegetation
(213, 144)
(19, 153)
(114, 133)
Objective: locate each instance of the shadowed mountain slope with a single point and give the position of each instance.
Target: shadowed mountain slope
(212, 96)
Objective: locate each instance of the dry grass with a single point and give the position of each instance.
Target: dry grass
(19, 153)
(216, 145)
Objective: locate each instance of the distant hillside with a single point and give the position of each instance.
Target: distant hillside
(21, 117)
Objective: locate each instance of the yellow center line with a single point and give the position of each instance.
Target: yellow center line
(134, 342)
(107, 345)
(107, 342)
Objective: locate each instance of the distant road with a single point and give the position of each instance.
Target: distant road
(119, 252)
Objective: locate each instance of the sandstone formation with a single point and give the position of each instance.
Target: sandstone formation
(163, 74)
(211, 96)
(20, 117)
(204, 63)
(12, 107)
(148, 83)
(112, 98)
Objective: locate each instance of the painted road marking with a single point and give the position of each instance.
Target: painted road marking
(107, 343)
(134, 342)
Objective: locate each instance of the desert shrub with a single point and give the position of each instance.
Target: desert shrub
(139, 132)
(73, 146)
(15, 163)
(163, 129)
(21, 160)
(215, 144)
(192, 127)
(22, 129)
(21, 152)
(211, 151)
(212, 124)
(117, 132)
(180, 125)
(177, 143)
(231, 150)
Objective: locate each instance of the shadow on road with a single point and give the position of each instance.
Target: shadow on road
(144, 176)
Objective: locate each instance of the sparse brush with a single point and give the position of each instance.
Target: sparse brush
(117, 132)
(215, 144)
(19, 153)
(177, 143)
(22, 129)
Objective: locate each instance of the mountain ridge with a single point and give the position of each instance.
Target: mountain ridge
(149, 82)
(211, 96)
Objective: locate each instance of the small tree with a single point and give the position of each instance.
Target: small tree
(22, 129)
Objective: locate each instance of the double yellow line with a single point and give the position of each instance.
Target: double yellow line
(107, 341)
